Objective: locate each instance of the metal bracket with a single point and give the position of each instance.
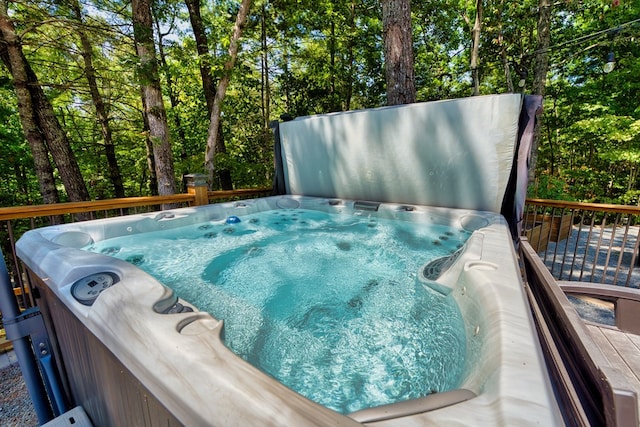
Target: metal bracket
(25, 324)
(30, 323)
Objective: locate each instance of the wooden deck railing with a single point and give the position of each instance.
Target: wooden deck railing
(14, 221)
(586, 242)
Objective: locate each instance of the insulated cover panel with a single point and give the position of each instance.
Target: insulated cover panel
(454, 153)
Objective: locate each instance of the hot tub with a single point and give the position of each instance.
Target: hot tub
(132, 353)
(132, 350)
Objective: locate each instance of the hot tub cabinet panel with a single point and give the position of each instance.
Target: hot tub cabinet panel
(127, 363)
(95, 378)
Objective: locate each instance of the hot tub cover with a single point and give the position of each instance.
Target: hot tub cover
(454, 153)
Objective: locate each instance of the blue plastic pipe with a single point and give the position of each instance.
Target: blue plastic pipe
(22, 347)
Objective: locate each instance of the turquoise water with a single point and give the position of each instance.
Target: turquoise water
(329, 305)
(594, 310)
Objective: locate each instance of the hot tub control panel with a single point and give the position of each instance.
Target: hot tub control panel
(87, 289)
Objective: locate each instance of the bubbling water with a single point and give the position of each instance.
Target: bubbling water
(329, 305)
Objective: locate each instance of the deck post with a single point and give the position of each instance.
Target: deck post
(197, 186)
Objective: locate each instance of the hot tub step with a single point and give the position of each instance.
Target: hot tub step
(76, 417)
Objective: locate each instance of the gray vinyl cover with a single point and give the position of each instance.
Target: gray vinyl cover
(454, 153)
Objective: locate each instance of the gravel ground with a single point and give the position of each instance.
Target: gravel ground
(16, 408)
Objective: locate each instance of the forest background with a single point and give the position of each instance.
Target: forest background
(109, 75)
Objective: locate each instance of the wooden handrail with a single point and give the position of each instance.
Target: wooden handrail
(18, 212)
(599, 207)
(33, 211)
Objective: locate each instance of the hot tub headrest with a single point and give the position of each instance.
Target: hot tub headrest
(454, 153)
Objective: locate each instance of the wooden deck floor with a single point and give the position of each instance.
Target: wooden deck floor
(595, 368)
(622, 351)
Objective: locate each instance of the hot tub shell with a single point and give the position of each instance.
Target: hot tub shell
(128, 363)
(133, 358)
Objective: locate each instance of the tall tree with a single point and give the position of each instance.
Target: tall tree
(398, 52)
(503, 49)
(170, 80)
(208, 83)
(152, 94)
(475, 48)
(350, 55)
(202, 48)
(99, 104)
(214, 126)
(30, 93)
(320, 56)
(540, 73)
(32, 133)
(265, 88)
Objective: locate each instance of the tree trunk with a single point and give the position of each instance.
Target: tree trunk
(266, 90)
(202, 47)
(214, 126)
(151, 162)
(98, 101)
(41, 115)
(334, 104)
(507, 67)
(173, 99)
(43, 168)
(398, 52)
(503, 52)
(350, 64)
(58, 143)
(540, 74)
(154, 107)
(475, 48)
(208, 84)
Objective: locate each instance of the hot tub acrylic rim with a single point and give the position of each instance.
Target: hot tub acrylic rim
(149, 291)
(101, 229)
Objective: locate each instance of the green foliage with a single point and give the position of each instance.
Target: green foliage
(631, 197)
(15, 186)
(305, 57)
(550, 187)
(591, 132)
